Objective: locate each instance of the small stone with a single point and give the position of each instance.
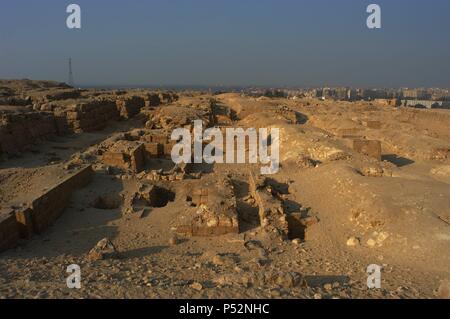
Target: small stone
(275, 293)
(289, 280)
(213, 222)
(381, 237)
(224, 280)
(238, 269)
(296, 241)
(197, 286)
(173, 241)
(353, 241)
(328, 287)
(104, 249)
(317, 296)
(444, 290)
(371, 243)
(218, 260)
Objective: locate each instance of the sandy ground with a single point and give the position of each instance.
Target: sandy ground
(398, 220)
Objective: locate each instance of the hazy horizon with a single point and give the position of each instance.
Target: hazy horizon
(283, 43)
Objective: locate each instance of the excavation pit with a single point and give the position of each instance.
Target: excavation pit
(160, 197)
(154, 196)
(107, 202)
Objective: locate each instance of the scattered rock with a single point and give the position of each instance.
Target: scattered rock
(353, 241)
(173, 241)
(444, 290)
(328, 287)
(305, 161)
(196, 286)
(371, 243)
(372, 171)
(218, 260)
(290, 280)
(104, 249)
(377, 239)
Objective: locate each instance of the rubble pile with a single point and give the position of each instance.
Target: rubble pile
(213, 210)
(82, 115)
(22, 129)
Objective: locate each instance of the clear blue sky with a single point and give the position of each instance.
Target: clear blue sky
(228, 42)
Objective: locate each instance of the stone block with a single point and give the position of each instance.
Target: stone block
(153, 150)
(371, 148)
(215, 212)
(24, 222)
(272, 217)
(129, 106)
(126, 155)
(167, 148)
(9, 232)
(373, 124)
(47, 207)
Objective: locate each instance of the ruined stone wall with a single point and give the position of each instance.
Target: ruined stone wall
(369, 148)
(37, 216)
(168, 97)
(63, 95)
(18, 130)
(128, 155)
(129, 106)
(433, 120)
(40, 97)
(16, 101)
(46, 208)
(153, 150)
(271, 213)
(9, 233)
(152, 99)
(215, 211)
(85, 116)
(22, 128)
(157, 145)
(67, 111)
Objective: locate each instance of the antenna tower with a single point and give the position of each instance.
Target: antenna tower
(71, 82)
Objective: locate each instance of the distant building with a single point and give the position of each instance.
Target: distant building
(352, 95)
(417, 94)
(427, 104)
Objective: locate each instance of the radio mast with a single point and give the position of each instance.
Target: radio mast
(71, 82)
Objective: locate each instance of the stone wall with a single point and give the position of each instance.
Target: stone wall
(19, 130)
(9, 232)
(85, 116)
(369, 148)
(168, 97)
(36, 216)
(215, 211)
(129, 106)
(157, 145)
(62, 95)
(273, 220)
(437, 121)
(128, 155)
(16, 101)
(152, 99)
(45, 209)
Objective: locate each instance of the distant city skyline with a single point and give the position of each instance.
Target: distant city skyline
(265, 43)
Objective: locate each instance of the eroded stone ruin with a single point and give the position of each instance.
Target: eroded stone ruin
(86, 176)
